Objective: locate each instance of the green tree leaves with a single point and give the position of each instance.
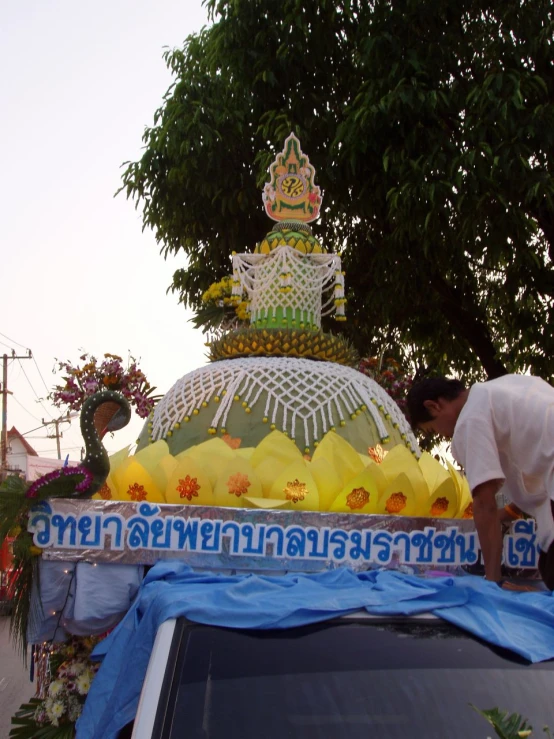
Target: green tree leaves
(431, 127)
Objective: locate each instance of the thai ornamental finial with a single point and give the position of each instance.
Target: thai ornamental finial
(291, 194)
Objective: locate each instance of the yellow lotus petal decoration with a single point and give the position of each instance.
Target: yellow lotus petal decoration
(403, 496)
(327, 480)
(268, 470)
(344, 458)
(378, 476)
(466, 500)
(162, 472)
(135, 483)
(118, 458)
(211, 456)
(108, 491)
(433, 472)
(297, 485)
(237, 479)
(398, 460)
(245, 453)
(444, 501)
(277, 446)
(189, 484)
(360, 495)
(150, 456)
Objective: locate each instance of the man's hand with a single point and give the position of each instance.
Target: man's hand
(487, 523)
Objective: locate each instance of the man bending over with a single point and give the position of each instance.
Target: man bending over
(502, 434)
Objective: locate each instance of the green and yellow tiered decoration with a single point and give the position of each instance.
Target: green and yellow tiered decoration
(263, 376)
(284, 281)
(265, 425)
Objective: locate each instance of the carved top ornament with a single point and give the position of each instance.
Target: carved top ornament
(291, 194)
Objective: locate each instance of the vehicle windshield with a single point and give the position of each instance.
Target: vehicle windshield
(397, 681)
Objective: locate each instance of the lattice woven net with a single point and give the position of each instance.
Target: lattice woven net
(309, 397)
(288, 279)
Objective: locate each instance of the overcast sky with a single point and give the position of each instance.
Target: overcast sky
(79, 83)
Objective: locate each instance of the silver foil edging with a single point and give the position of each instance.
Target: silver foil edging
(259, 540)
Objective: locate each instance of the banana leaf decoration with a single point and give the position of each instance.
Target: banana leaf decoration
(102, 412)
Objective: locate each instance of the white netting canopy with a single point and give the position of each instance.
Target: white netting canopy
(307, 397)
(287, 279)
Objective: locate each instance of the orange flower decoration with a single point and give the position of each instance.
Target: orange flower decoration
(377, 453)
(468, 513)
(295, 491)
(105, 493)
(188, 488)
(238, 484)
(233, 442)
(396, 503)
(137, 492)
(358, 498)
(439, 506)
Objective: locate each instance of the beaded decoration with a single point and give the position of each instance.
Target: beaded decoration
(308, 397)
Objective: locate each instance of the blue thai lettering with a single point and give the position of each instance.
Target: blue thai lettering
(423, 540)
(139, 529)
(231, 529)
(113, 526)
(339, 538)
(402, 542)
(161, 532)
(276, 536)
(248, 534)
(187, 534)
(39, 524)
(467, 548)
(383, 540)
(520, 547)
(359, 550)
(295, 537)
(210, 535)
(445, 542)
(319, 540)
(84, 526)
(65, 524)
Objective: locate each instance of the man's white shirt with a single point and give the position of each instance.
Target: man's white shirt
(505, 432)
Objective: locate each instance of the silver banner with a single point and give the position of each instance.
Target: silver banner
(253, 539)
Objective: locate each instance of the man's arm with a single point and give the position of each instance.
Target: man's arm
(487, 523)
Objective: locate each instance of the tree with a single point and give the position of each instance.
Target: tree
(431, 126)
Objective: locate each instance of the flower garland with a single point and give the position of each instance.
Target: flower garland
(81, 381)
(220, 294)
(80, 487)
(66, 675)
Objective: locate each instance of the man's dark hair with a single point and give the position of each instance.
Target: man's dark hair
(431, 388)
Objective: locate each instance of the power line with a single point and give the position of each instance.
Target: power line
(35, 392)
(14, 342)
(8, 345)
(40, 373)
(25, 409)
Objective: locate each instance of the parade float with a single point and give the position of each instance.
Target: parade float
(277, 456)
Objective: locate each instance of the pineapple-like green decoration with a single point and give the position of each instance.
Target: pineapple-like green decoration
(309, 344)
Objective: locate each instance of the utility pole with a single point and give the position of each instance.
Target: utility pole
(57, 434)
(5, 393)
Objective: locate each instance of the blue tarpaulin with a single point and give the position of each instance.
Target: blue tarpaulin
(520, 621)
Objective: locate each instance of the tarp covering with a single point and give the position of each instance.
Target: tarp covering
(522, 622)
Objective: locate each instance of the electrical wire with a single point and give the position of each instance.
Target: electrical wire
(4, 344)
(15, 342)
(25, 409)
(40, 373)
(35, 392)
